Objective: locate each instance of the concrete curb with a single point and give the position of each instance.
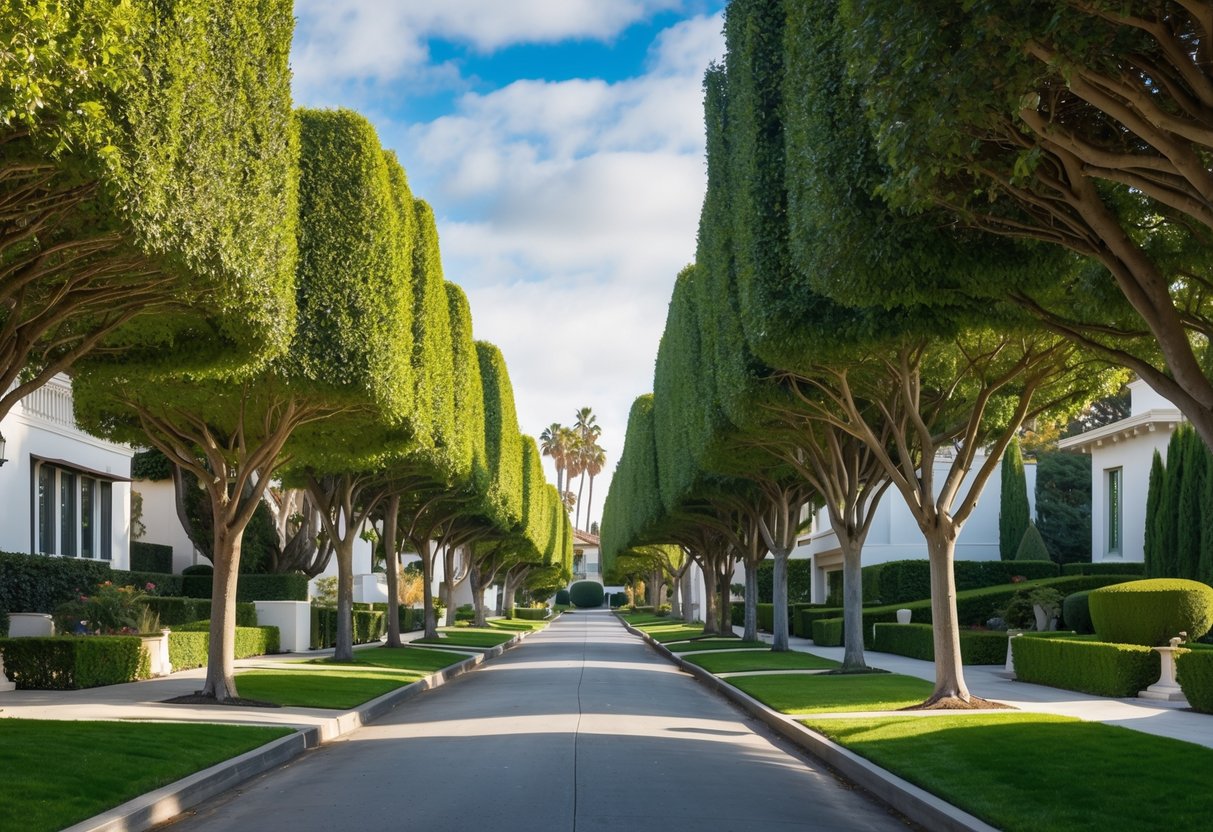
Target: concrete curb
(915, 803)
(167, 802)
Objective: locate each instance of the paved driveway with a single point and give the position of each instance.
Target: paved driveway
(580, 728)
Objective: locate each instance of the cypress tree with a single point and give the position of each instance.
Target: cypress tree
(1158, 473)
(1166, 526)
(1013, 513)
(1188, 516)
(1205, 564)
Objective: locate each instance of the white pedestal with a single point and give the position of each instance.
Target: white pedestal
(1165, 689)
(5, 684)
(1008, 669)
(904, 616)
(293, 620)
(30, 624)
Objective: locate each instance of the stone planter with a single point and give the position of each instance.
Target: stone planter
(904, 616)
(5, 684)
(35, 624)
(156, 648)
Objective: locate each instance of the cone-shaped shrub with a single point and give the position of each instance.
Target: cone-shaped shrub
(1032, 546)
(1152, 611)
(586, 594)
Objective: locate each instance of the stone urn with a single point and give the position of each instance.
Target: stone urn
(1166, 689)
(904, 616)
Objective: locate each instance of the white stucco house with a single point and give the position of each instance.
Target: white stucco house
(62, 491)
(587, 565)
(1121, 454)
(895, 535)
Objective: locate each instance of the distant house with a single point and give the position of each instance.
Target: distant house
(895, 535)
(586, 563)
(62, 491)
(1121, 454)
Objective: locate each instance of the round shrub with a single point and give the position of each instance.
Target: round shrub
(1151, 612)
(562, 598)
(1076, 612)
(586, 594)
(199, 569)
(618, 600)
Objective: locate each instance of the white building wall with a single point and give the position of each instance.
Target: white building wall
(40, 427)
(163, 526)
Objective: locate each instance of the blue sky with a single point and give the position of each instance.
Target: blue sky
(560, 143)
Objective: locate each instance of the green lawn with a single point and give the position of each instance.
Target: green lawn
(468, 637)
(399, 658)
(827, 694)
(737, 662)
(677, 633)
(1041, 773)
(718, 644)
(58, 773)
(339, 687)
(517, 624)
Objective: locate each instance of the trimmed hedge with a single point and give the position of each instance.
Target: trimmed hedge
(1076, 613)
(1095, 667)
(974, 607)
(900, 581)
(369, 625)
(176, 611)
(410, 618)
(71, 663)
(166, 583)
(3, 623)
(562, 598)
(40, 583)
(827, 632)
(525, 614)
(1151, 612)
(151, 557)
(587, 594)
(1135, 569)
(618, 599)
(1195, 670)
(251, 587)
(188, 645)
(800, 581)
(917, 642)
(737, 613)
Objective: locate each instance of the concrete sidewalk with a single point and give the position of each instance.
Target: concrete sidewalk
(1164, 719)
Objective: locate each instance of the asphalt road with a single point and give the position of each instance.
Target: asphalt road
(581, 728)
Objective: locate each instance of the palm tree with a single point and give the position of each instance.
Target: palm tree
(553, 442)
(587, 432)
(595, 461)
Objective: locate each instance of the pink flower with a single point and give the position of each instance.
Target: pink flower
(149, 587)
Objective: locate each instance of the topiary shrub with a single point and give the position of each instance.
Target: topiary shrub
(187, 645)
(151, 557)
(1151, 612)
(1076, 613)
(530, 613)
(918, 642)
(1032, 546)
(619, 599)
(562, 598)
(71, 663)
(587, 594)
(1196, 678)
(1088, 666)
(827, 632)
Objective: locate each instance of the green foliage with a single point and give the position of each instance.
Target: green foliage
(174, 612)
(252, 587)
(1152, 611)
(800, 576)
(827, 632)
(1013, 515)
(525, 614)
(562, 598)
(161, 583)
(917, 642)
(72, 662)
(1102, 669)
(502, 442)
(369, 625)
(1166, 521)
(468, 443)
(1032, 546)
(1063, 505)
(1191, 490)
(151, 557)
(1195, 671)
(188, 644)
(586, 594)
(910, 580)
(1154, 494)
(1135, 569)
(1076, 613)
(151, 465)
(618, 599)
(40, 583)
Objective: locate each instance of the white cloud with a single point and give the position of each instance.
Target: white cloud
(566, 208)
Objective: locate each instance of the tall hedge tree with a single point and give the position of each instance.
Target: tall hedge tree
(1013, 513)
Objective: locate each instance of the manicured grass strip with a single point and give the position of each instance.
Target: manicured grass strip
(827, 694)
(717, 644)
(638, 618)
(338, 687)
(399, 658)
(57, 773)
(1038, 772)
(740, 662)
(465, 637)
(517, 624)
(676, 633)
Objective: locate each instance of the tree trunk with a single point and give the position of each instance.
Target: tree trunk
(949, 672)
(474, 576)
(852, 605)
(589, 506)
(725, 587)
(676, 597)
(427, 589)
(711, 621)
(688, 596)
(655, 589)
(221, 653)
(392, 565)
(779, 598)
(750, 629)
(344, 651)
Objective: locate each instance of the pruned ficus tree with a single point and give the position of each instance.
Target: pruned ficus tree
(235, 432)
(147, 186)
(1083, 125)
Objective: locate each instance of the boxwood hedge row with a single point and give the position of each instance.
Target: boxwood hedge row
(188, 645)
(917, 642)
(71, 663)
(1095, 667)
(1196, 678)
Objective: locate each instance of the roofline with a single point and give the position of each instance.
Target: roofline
(1148, 422)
